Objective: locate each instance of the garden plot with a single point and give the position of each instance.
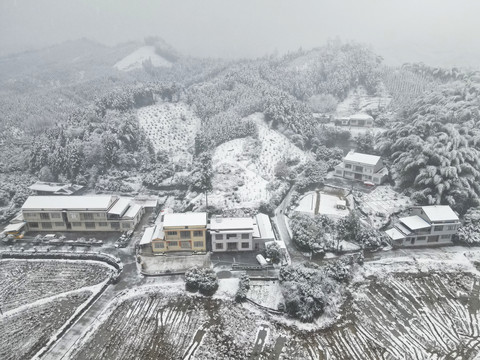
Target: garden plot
(359, 101)
(307, 203)
(172, 128)
(382, 202)
(267, 293)
(244, 167)
(39, 297)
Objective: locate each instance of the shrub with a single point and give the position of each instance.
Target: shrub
(272, 251)
(243, 287)
(200, 279)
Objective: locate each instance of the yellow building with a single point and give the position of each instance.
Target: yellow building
(180, 232)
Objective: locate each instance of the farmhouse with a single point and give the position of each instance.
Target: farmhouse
(241, 234)
(360, 119)
(50, 188)
(362, 167)
(428, 225)
(81, 213)
(178, 232)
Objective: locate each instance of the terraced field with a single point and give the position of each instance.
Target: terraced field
(38, 297)
(404, 316)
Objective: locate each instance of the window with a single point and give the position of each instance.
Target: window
(171, 233)
(218, 237)
(421, 238)
(55, 216)
(245, 245)
(76, 224)
(232, 246)
(197, 233)
(29, 215)
(59, 224)
(231, 236)
(219, 246)
(90, 225)
(245, 236)
(46, 225)
(102, 224)
(348, 166)
(115, 225)
(368, 177)
(198, 244)
(158, 245)
(433, 239)
(44, 216)
(87, 216)
(438, 228)
(359, 168)
(185, 245)
(184, 234)
(451, 227)
(446, 237)
(172, 243)
(126, 225)
(33, 225)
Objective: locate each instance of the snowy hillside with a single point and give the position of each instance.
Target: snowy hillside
(136, 59)
(171, 127)
(244, 167)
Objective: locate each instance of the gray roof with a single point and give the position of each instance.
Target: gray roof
(264, 226)
(394, 234)
(414, 222)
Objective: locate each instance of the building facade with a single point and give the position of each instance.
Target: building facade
(428, 225)
(81, 213)
(362, 167)
(232, 234)
(180, 232)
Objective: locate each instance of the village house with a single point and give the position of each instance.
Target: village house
(240, 234)
(81, 213)
(427, 225)
(362, 167)
(177, 232)
(360, 120)
(51, 188)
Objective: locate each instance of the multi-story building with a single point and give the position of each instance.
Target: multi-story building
(81, 213)
(179, 232)
(428, 225)
(241, 234)
(362, 167)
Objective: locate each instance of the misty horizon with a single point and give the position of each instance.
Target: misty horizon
(433, 32)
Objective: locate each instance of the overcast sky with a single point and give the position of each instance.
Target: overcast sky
(438, 32)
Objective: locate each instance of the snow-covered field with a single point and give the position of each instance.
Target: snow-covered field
(37, 299)
(135, 59)
(381, 203)
(420, 305)
(242, 171)
(171, 127)
(359, 101)
(327, 205)
(307, 203)
(266, 293)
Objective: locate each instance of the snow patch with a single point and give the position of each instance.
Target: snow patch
(135, 59)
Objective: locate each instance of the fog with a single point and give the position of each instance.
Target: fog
(438, 32)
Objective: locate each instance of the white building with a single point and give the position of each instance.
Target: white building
(360, 119)
(81, 213)
(240, 234)
(428, 225)
(362, 167)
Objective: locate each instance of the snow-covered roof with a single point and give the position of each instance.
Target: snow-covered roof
(120, 206)
(414, 222)
(147, 235)
(100, 202)
(229, 224)
(361, 116)
(158, 233)
(14, 227)
(147, 201)
(185, 219)
(53, 188)
(440, 213)
(264, 225)
(133, 211)
(362, 158)
(394, 234)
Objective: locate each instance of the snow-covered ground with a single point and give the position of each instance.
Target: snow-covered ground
(328, 206)
(242, 172)
(266, 293)
(172, 128)
(359, 101)
(135, 59)
(307, 203)
(381, 203)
